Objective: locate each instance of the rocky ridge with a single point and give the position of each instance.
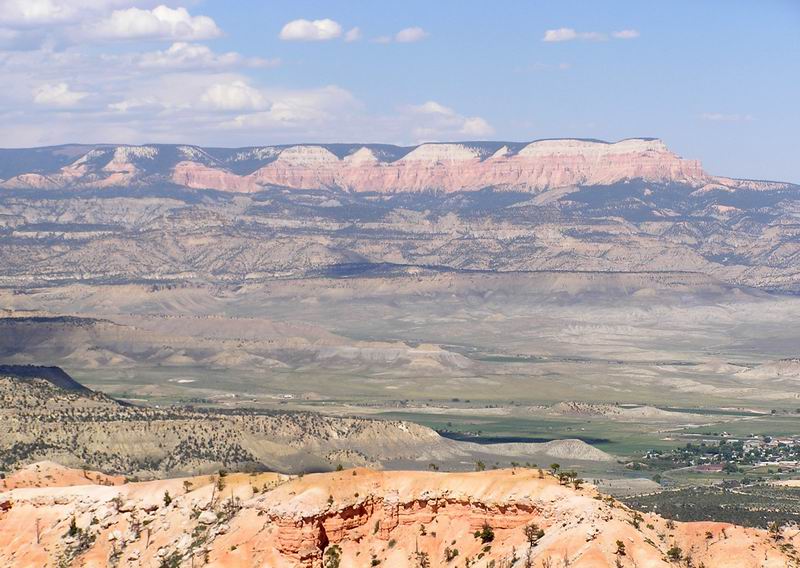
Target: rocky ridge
(439, 167)
(361, 517)
(82, 428)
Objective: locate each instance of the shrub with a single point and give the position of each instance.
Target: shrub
(450, 554)
(486, 534)
(675, 553)
(332, 557)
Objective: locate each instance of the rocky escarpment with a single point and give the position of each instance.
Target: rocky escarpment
(148, 229)
(440, 167)
(511, 518)
(457, 167)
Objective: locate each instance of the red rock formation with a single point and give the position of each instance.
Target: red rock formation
(390, 517)
(445, 167)
(460, 167)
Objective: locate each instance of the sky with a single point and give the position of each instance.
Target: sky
(717, 80)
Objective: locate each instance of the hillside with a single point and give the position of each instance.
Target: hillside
(170, 235)
(362, 518)
(82, 428)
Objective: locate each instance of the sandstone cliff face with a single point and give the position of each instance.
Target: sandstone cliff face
(461, 167)
(441, 167)
(361, 517)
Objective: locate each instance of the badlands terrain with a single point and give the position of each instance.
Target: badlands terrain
(169, 312)
(354, 518)
(177, 214)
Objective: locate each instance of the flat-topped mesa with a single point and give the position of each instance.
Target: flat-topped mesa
(469, 166)
(437, 167)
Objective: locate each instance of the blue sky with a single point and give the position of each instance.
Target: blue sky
(717, 80)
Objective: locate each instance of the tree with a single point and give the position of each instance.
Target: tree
(167, 499)
(730, 467)
(533, 533)
(423, 560)
(554, 467)
(479, 465)
(450, 554)
(620, 548)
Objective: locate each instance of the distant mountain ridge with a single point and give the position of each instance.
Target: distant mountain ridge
(382, 168)
(180, 213)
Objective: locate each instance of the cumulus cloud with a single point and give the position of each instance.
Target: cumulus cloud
(300, 109)
(32, 12)
(570, 34)
(183, 55)
(406, 35)
(476, 126)
(23, 13)
(410, 35)
(57, 95)
(432, 107)
(561, 34)
(235, 96)
(308, 30)
(435, 121)
(161, 22)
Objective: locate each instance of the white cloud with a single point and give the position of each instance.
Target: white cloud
(722, 117)
(570, 34)
(406, 35)
(307, 30)
(127, 105)
(186, 93)
(439, 121)
(159, 23)
(432, 107)
(57, 95)
(301, 109)
(561, 34)
(26, 13)
(352, 35)
(410, 35)
(626, 34)
(476, 126)
(183, 55)
(32, 12)
(235, 96)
